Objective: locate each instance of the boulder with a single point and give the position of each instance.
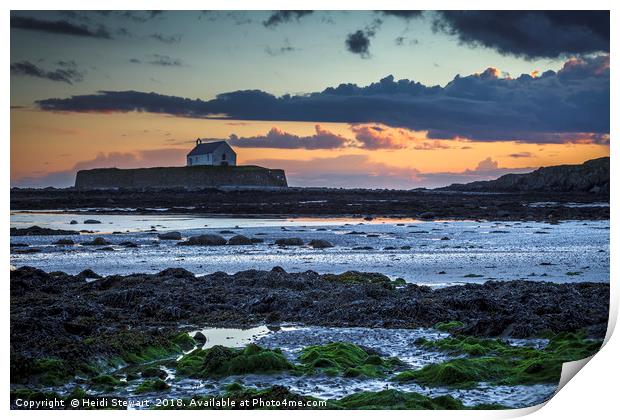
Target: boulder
(64, 241)
(289, 242)
(97, 241)
(240, 240)
(320, 244)
(205, 240)
(128, 244)
(170, 236)
(92, 222)
(88, 274)
(39, 231)
(200, 338)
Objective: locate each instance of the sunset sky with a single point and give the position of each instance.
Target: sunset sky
(341, 99)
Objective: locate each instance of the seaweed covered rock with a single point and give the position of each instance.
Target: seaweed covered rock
(499, 363)
(357, 277)
(153, 385)
(395, 400)
(226, 361)
(346, 359)
(106, 382)
(448, 326)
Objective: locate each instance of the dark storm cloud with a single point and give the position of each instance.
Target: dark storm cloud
(61, 27)
(285, 16)
(403, 14)
(67, 73)
(136, 16)
(358, 42)
(553, 108)
(529, 34)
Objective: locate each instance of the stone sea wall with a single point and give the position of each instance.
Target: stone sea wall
(194, 177)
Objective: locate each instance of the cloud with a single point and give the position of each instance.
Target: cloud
(519, 155)
(403, 14)
(67, 73)
(360, 171)
(358, 42)
(286, 48)
(285, 16)
(276, 138)
(345, 171)
(374, 137)
(166, 39)
(487, 164)
(159, 60)
(61, 27)
(529, 34)
(557, 107)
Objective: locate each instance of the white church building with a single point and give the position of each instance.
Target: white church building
(214, 153)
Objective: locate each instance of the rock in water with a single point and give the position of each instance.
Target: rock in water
(170, 236)
(97, 241)
(200, 338)
(91, 222)
(320, 244)
(205, 240)
(240, 240)
(289, 242)
(64, 241)
(39, 231)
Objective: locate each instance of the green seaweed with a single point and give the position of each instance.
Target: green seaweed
(225, 361)
(357, 277)
(395, 400)
(448, 326)
(151, 385)
(499, 363)
(106, 382)
(347, 359)
(44, 371)
(115, 350)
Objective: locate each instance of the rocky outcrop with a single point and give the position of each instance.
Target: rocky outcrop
(592, 176)
(39, 231)
(188, 177)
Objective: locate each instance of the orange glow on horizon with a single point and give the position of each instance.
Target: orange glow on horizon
(44, 143)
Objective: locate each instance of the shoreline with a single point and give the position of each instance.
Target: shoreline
(423, 205)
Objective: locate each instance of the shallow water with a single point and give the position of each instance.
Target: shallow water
(441, 252)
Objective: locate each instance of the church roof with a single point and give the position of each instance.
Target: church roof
(204, 148)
